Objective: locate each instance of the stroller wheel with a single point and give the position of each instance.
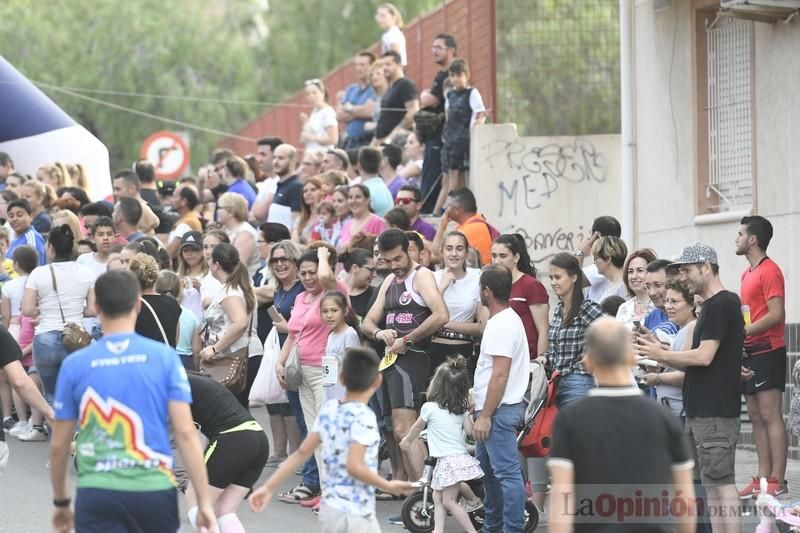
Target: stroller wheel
(531, 516)
(412, 513)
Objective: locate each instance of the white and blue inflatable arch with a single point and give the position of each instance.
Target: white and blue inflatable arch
(35, 131)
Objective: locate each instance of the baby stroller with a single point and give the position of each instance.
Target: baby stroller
(535, 439)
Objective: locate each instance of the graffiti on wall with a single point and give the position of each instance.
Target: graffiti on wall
(547, 189)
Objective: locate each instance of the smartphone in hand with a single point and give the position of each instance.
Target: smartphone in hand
(274, 314)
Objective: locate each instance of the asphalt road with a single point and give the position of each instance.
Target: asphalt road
(25, 498)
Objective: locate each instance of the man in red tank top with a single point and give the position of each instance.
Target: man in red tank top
(764, 312)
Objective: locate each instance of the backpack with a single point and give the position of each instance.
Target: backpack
(494, 233)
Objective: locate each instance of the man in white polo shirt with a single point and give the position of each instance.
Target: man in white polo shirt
(501, 377)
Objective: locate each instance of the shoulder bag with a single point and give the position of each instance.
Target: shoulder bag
(74, 336)
(292, 368)
(158, 321)
(229, 369)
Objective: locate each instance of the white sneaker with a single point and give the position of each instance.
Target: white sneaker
(34, 434)
(19, 428)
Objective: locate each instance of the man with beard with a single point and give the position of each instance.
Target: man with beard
(501, 377)
(285, 208)
(712, 386)
(413, 310)
(444, 51)
(268, 186)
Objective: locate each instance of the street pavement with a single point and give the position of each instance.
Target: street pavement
(26, 495)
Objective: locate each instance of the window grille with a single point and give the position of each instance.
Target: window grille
(730, 124)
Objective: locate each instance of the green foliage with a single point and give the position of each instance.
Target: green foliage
(222, 49)
(558, 66)
(308, 38)
(141, 46)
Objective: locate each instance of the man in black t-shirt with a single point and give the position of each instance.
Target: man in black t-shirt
(402, 94)
(444, 51)
(712, 386)
(615, 442)
(10, 363)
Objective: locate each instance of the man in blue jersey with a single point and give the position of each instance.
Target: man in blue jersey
(20, 219)
(120, 391)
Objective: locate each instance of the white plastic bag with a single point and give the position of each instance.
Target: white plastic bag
(266, 388)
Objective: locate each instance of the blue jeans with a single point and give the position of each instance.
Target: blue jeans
(48, 354)
(504, 490)
(309, 473)
(573, 387)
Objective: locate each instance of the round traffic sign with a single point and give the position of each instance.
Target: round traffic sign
(168, 153)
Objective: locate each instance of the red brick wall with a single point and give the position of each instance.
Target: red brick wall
(472, 22)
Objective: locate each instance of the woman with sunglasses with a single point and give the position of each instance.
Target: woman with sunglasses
(320, 128)
(286, 418)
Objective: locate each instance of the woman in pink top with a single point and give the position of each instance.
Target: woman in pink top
(306, 329)
(363, 220)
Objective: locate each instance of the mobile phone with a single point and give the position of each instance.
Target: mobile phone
(274, 314)
(637, 325)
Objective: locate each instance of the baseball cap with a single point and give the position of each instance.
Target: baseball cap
(192, 238)
(698, 252)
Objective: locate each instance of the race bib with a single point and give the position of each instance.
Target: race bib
(330, 371)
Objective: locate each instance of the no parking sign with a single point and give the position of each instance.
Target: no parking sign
(168, 152)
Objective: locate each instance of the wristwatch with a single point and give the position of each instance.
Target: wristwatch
(408, 342)
(348, 107)
(62, 503)
(578, 253)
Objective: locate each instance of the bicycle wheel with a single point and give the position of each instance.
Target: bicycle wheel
(412, 514)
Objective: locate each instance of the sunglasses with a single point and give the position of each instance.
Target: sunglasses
(404, 201)
(315, 81)
(280, 260)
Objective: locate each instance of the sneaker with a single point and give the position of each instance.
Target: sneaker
(8, 423)
(774, 487)
(311, 502)
(34, 434)
(395, 520)
(19, 428)
(751, 490)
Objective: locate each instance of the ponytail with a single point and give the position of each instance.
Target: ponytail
(227, 256)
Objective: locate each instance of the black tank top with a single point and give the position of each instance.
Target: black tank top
(405, 308)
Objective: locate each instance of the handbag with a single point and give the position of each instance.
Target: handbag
(292, 373)
(229, 369)
(266, 387)
(536, 440)
(74, 336)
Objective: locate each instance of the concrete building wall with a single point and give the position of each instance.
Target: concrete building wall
(667, 154)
